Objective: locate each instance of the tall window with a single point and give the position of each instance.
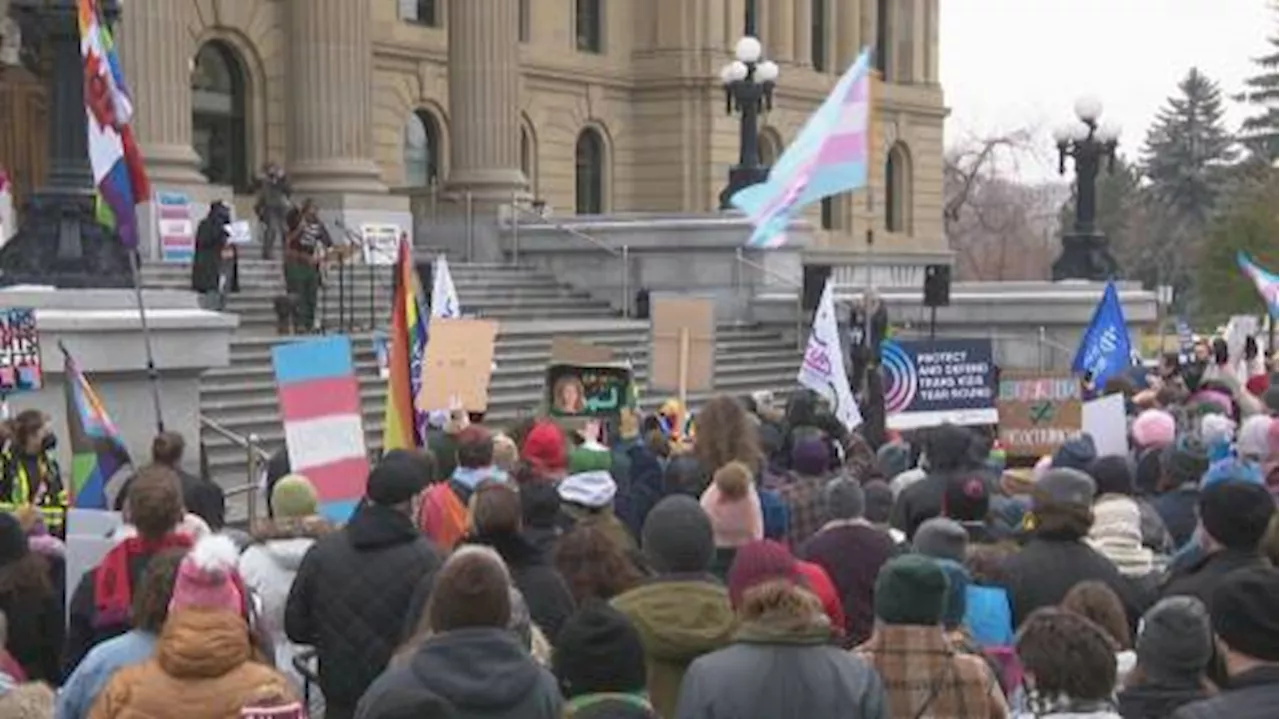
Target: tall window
(420, 12)
(818, 36)
(524, 21)
(218, 127)
(904, 44)
(829, 219)
(883, 39)
(421, 149)
(897, 189)
(588, 25)
(589, 173)
(529, 158)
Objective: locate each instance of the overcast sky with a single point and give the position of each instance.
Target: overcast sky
(1008, 64)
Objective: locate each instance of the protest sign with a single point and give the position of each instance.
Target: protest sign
(928, 383)
(589, 390)
(1037, 412)
(175, 227)
(457, 364)
(1104, 419)
(238, 232)
(567, 350)
(20, 369)
(381, 243)
(682, 345)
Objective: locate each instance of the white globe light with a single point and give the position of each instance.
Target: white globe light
(1109, 131)
(748, 49)
(735, 71)
(1061, 134)
(767, 71)
(1079, 131)
(726, 73)
(1088, 108)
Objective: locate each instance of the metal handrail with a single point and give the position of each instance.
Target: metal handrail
(255, 455)
(623, 254)
(740, 260)
(791, 281)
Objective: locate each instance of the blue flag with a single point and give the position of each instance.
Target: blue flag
(1104, 348)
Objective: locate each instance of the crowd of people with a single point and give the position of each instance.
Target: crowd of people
(763, 562)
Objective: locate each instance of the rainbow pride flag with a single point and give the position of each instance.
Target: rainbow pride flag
(404, 426)
(828, 156)
(118, 174)
(97, 451)
(1267, 283)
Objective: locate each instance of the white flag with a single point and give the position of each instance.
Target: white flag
(822, 369)
(444, 296)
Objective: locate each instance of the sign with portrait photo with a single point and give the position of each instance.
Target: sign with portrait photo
(20, 369)
(589, 390)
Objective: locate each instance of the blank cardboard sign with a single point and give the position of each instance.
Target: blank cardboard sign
(458, 364)
(668, 316)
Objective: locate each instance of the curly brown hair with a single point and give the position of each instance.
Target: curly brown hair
(1067, 654)
(593, 566)
(726, 434)
(1096, 602)
(151, 601)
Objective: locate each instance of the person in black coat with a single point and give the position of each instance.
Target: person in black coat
(209, 262)
(201, 497)
(1233, 519)
(31, 604)
(496, 522)
(1182, 465)
(353, 588)
(1056, 558)
(950, 455)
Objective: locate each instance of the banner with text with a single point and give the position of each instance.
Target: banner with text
(20, 369)
(1038, 413)
(928, 383)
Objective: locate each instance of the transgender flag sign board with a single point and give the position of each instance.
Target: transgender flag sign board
(324, 434)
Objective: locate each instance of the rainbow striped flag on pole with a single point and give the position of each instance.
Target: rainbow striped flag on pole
(404, 426)
(118, 175)
(828, 157)
(97, 451)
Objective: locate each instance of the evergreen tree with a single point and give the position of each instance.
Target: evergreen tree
(1260, 132)
(1247, 221)
(1185, 149)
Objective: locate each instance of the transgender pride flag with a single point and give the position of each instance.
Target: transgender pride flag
(1268, 284)
(118, 176)
(323, 431)
(828, 157)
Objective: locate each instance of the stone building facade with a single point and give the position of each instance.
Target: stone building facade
(592, 106)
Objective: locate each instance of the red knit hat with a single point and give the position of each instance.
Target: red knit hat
(544, 448)
(757, 563)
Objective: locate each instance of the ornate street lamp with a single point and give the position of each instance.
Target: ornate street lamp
(748, 88)
(1088, 142)
(60, 242)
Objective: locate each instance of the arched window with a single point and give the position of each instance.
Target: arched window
(421, 149)
(218, 126)
(528, 158)
(897, 190)
(589, 173)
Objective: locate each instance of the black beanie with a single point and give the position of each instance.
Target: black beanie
(677, 536)
(598, 650)
(1244, 609)
(1112, 474)
(1174, 643)
(1076, 453)
(1236, 513)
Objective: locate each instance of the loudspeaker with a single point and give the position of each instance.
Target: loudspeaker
(937, 285)
(815, 278)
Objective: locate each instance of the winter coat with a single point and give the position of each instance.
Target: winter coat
(268, 568)
(202, 668)
(1249, 695)
(645, 488)
(988, 615)
(1046, 568)
(852, 555)
(350, 597)
(924, 675)
(609, 706)
(779, 665)
(1199, 577)
(478, 673)
(210, 239)
(679, 619)
(1152, 701)
(86, 682)
(922, 500)
(1177, 507)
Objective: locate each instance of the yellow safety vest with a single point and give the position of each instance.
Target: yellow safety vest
(52, 506)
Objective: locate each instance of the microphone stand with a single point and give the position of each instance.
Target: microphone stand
(356, 240)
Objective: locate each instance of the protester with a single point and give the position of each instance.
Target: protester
(588, 492)
(443, 516)
(1069, 667)
(780, 662)
(471, 666)
(31, 604)
(879, 500)
(592, 565)
(203, 659)
(29, 471)
(540, 509)
(148, 614)
(1114, 477)
(200, 497)
(729, 434)
(1153, 429)
(270, 565)
(1096, 602)
(545, 450)
(1116, 534)
(922, 674)
(683, 613)
(949, 454)
(1233, 519)
(377, 559)
(967, 500)
(600, 665)
(733, 506)
(99, 607)
(852, 551)
(1184, 463)
(941, 538)
(988, 613)
(1174, 647)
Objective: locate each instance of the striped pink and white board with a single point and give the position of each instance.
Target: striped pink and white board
(320, 405)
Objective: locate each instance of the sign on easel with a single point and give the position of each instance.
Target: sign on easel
(682, 345)
(20, 369)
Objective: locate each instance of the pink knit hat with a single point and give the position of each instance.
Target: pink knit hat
(1154, 428)
(733, 505)
(207, 577)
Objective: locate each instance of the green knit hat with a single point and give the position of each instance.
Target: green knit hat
(293, 497)
(590, 457)
(911, 589)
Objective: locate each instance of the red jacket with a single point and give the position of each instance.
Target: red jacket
(821, 585)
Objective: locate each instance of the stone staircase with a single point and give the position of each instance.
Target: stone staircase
(532, 308)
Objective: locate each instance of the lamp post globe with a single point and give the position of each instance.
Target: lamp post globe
(1088, 141)
(748, 82)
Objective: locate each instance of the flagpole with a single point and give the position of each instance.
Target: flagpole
(153, 376)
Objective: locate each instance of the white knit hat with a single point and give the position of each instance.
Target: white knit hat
(593, 489)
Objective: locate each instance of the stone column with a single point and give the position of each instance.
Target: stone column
(331, 98)
(870, 22)
(484, 99)
(154, 51)
(803, 32)
(781, 32)
(849, 41)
